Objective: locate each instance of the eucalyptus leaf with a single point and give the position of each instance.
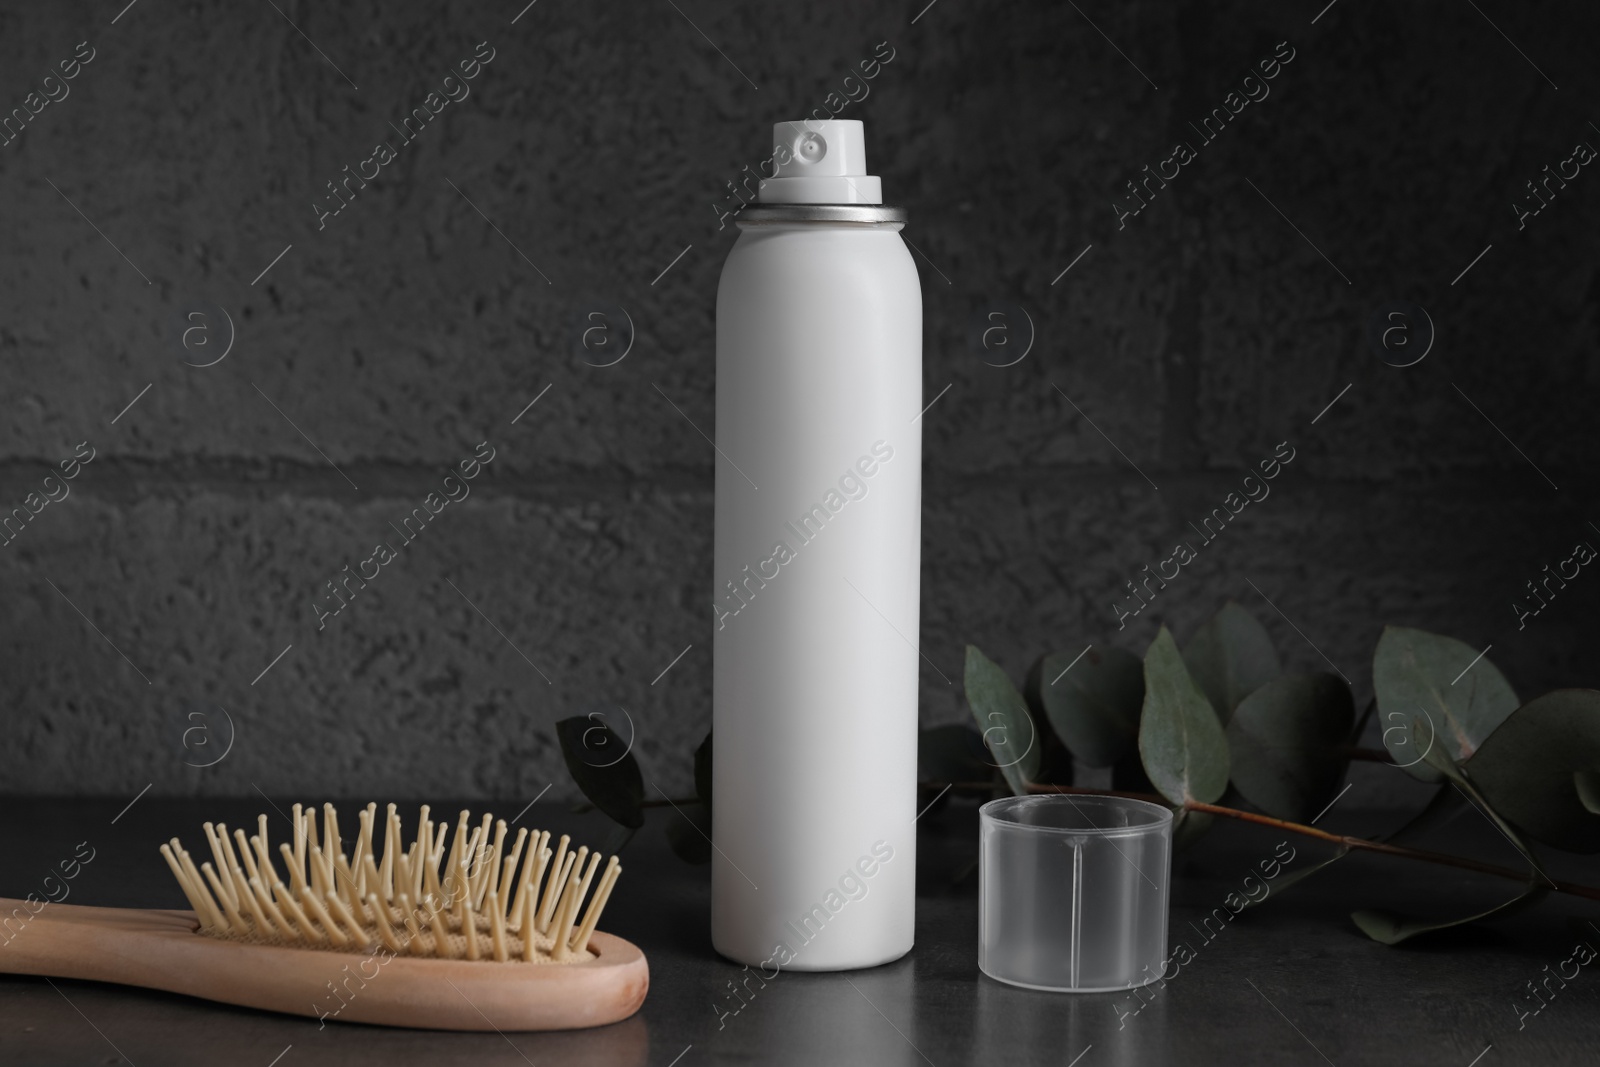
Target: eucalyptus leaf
(1180, 739)
(702, 771)
(1002, 716)
(603, 767)
(1231, 656)
(1457, 776)
(1283, 882)
(1284, 744)
(1391, 928)
(1537, 768)
(689, 833)
(1094, 706)
(1189, 827)
(1587, 785)
(954, 753)
(1442, 683)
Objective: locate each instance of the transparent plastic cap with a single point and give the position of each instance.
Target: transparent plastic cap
(1072, 891)
(820, 162)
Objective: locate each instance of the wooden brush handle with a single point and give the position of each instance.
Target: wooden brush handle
(161, 950)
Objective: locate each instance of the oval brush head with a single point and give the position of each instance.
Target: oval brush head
(462, 931)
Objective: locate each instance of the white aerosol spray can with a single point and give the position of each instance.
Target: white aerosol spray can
(818, 553)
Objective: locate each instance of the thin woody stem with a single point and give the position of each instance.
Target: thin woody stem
(1364, 845)
(1342, 840)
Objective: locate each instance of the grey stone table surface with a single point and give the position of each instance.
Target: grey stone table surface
(1290, 982)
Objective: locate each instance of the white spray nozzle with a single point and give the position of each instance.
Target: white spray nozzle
(820, 162)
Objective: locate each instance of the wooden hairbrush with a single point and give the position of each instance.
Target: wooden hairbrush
(407, 937)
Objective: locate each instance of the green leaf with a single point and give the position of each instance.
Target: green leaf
(1093, 707)
(1284, 744)
(952, 754)
(1278, 885)
(1391, 928)
(1002, 715)
(1180, 739)
(603, 767)
(1189, 827)
(702, 771)
(1587, 785)
(1424, 678)
(689, 833)
(1536, 768)
(1457, 776)
(1230, 657)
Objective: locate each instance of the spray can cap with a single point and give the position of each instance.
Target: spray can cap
(820, 162)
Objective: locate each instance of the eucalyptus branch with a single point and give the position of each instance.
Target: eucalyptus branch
(1361, 844)
(1221, 714)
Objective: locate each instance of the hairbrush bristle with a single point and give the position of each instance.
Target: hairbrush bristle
(481, 901)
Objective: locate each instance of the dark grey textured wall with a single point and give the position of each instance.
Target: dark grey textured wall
(1178, 351)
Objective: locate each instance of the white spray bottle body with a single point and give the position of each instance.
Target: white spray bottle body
(817, 568)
